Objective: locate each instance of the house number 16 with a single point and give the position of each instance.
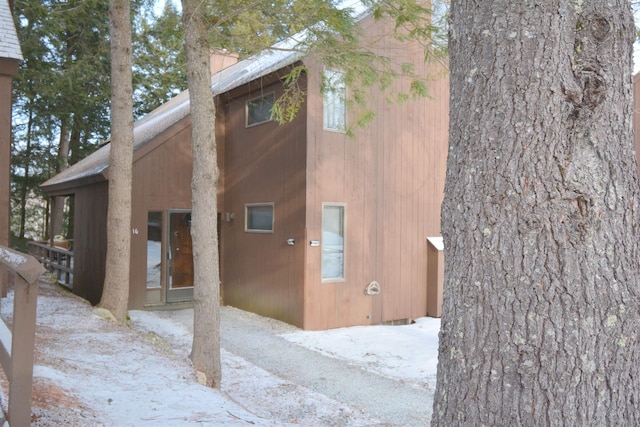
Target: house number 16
(134, 231)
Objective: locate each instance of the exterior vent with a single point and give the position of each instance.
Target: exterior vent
(372, 288)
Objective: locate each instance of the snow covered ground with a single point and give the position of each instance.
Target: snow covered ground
(89, 372)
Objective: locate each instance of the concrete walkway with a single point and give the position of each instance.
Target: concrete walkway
(257, 342)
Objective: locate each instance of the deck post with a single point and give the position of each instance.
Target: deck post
(17, 344)
(22, 350)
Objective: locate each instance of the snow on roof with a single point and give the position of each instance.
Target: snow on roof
(280, 55)
(9, 44)
(144, 131)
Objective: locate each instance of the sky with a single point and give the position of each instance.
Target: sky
(636, 68)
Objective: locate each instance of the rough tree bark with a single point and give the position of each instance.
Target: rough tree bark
(540, 218)
(205, 352)
(115, 295)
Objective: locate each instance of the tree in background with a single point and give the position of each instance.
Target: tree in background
(115, 294)
(159, 69)
(540, 218)
(62, 92)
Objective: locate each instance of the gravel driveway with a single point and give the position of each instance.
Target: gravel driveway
(255, 339)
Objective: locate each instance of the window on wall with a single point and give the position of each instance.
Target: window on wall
(259, 109)
(258, 217)
(333, 243)
(154, 252)
(440, 23)
(334, 101)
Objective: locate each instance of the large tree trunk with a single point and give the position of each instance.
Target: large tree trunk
(115, 296)
(541, 313)
(205, 352)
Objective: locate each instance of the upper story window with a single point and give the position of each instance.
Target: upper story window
(334, 101)
(258, 217)
(259, 109)
(440, 23)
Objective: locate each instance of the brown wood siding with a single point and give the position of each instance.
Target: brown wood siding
(7, 70)
(264, 163)
(161, 180)
(391, 178)
(90, 240)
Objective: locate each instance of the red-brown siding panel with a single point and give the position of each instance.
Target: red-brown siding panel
(161, 181)
(90, 240)
(391, 179)
(264, 163)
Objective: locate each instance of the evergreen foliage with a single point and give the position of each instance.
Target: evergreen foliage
(63, 88)
(159, 59)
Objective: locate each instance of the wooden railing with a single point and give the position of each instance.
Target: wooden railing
(17, 343)
(56, 260)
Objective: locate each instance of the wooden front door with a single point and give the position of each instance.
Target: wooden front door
(180, 257)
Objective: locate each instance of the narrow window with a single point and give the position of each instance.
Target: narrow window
(259, 109)
(154, 250)
(334, 101)
(258, 217)
(440, 23)
(333, 242)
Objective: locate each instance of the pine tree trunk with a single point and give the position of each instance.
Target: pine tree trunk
(205, 352)
(541, 314)
(115, 296)
(24, 190)
(57, 205)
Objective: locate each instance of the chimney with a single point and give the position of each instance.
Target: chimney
(221, 59)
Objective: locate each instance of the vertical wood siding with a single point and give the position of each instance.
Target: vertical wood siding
(6, 78)
(391, 177)
(90, 240)
(264, 163)
(161, 181)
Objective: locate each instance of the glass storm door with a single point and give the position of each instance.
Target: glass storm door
(180, 257)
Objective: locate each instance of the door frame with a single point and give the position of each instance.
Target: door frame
(173, 295)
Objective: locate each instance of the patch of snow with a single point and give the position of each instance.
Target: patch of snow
(11, 258)
(88, 371)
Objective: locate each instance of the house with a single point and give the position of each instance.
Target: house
(317, 228)
(10, 57)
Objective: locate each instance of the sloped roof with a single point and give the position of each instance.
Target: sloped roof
(9, 44)
(144, 131)
(280, 55)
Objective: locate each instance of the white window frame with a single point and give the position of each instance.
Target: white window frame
(247, 107)
(247, 208)
(344, 243)
(334, 101)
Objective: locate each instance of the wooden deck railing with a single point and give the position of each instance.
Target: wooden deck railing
(17, 343)
(55, 259)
